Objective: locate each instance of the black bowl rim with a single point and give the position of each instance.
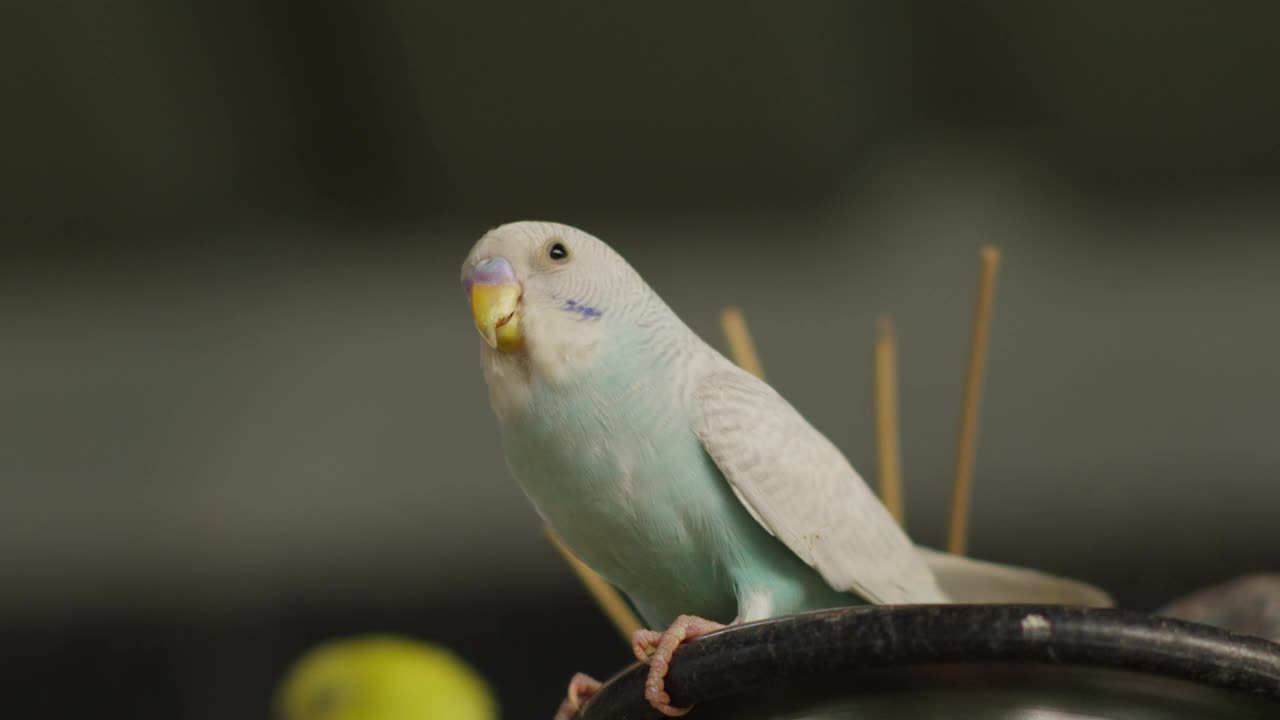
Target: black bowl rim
(829, 643)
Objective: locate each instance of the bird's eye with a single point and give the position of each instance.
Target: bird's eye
(558, 252)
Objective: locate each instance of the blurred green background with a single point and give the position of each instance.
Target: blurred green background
(240, 397)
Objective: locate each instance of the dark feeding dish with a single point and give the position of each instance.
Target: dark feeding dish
(970, 662)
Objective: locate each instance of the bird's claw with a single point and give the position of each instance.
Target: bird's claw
(581, 688)
(644, 643)
(657, 649)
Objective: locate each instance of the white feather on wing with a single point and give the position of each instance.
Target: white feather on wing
(802, 489)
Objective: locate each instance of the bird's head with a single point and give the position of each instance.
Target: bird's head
(539, 287)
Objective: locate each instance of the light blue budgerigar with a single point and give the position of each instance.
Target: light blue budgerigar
(680, 478)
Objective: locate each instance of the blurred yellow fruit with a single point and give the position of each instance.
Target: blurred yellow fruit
(383, 678)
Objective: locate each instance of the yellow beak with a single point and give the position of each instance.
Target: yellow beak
(494, 308)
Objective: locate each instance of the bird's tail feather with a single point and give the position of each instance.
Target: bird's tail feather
(965, 580)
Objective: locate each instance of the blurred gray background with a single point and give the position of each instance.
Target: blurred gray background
(241, 401)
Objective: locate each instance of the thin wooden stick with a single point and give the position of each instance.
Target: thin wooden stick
(741, 348)
(890, 453)
(617, 610)
(963, 489)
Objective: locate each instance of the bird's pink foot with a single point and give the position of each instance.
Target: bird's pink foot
(581, 688)
(645, 643)
(657, 649)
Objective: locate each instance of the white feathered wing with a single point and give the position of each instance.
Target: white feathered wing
(800, 487)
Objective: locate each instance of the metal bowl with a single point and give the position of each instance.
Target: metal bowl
(935, 662)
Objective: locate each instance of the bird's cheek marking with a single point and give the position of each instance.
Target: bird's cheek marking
(582, 309)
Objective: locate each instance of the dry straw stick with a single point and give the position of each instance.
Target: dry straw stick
(741, 348)
(963, 489)
(886, 387)
(605, 595)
